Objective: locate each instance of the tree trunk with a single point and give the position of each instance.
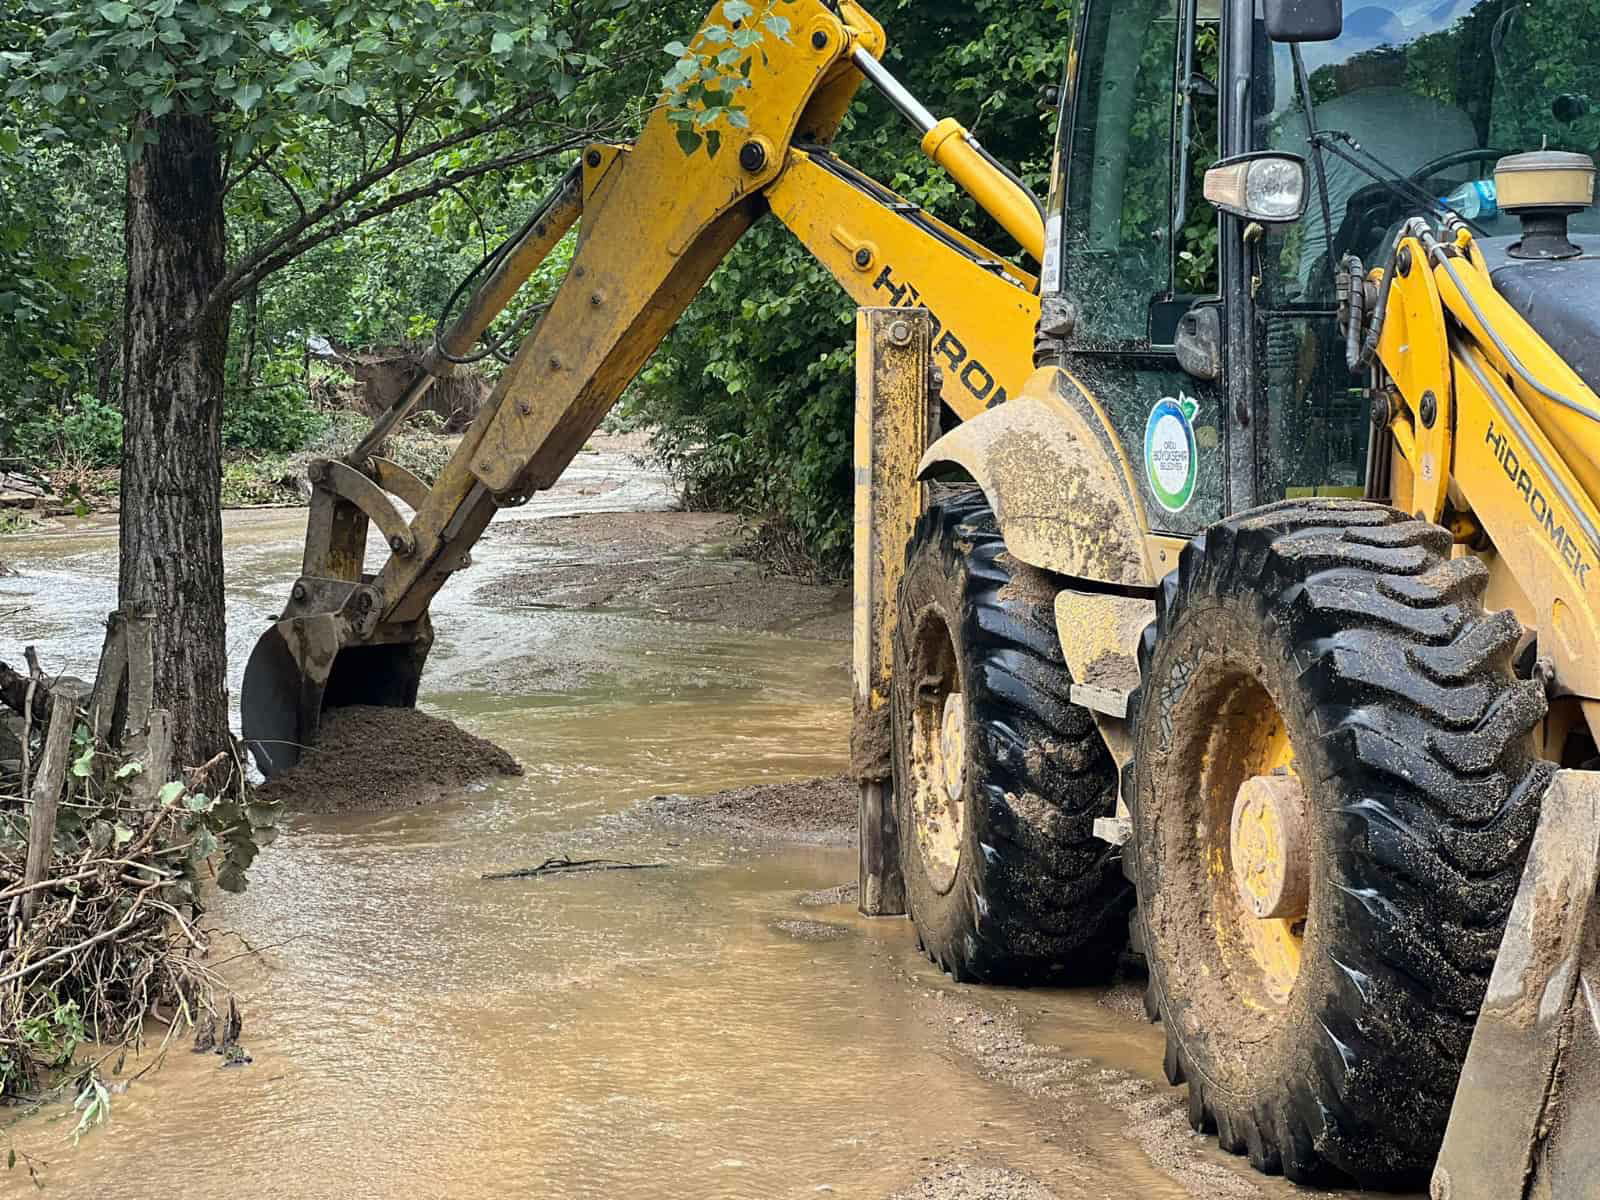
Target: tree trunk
(171, 539)
(107, 356)
(247, 360)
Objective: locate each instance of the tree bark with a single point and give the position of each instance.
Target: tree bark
(172, 371)
(247, 360)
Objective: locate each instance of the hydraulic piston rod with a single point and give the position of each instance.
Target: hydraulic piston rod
(950, 145)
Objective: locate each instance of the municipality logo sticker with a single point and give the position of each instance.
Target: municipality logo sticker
(1170, 462)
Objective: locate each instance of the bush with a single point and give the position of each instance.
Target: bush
(84, 431)
(274, 419)
(92, 432)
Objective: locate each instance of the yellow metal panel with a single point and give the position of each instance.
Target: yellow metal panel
(1099, 637)
(1575, 436)
(985, 319)
(1532, 506)
(1415, 350)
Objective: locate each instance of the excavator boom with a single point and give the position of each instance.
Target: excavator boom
(653, 224)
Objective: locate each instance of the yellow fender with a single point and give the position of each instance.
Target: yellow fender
(1056, 476)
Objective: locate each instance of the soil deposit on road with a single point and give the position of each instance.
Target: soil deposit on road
(819, 812)
(682, 566)
(369, 759)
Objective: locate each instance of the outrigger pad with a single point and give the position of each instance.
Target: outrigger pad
(1528, 1106)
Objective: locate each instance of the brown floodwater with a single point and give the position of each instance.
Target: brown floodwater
(689, 1032)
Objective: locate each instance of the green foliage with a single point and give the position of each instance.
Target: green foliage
(102, 67)
(705, 82)
(752, 396)
(273, 419)
(82, 431)
(330, 115)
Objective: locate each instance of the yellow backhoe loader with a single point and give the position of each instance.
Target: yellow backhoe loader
(1224, 565)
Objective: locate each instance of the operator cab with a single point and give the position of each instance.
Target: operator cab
(1209, 333)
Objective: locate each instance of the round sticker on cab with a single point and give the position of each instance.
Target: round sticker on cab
(1170, 461)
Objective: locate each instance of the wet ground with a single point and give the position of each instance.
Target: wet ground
(724, 1027)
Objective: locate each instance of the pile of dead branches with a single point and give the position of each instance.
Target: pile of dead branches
(102, 855)
(101, 945)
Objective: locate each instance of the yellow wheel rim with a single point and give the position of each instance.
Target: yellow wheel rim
(1250, 741)
(939, 759)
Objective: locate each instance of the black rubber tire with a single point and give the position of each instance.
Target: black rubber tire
(1036, 897)
(1411, 737)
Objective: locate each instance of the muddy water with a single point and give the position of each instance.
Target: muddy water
(687, 1032)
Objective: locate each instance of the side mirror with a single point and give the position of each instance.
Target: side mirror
(1303, 20)
(1264, 186)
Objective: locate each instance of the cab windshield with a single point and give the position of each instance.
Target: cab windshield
(1433, 93)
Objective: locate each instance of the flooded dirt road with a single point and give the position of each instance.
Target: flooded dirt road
(724, 1027)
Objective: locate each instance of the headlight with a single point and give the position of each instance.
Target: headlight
(1266, 187)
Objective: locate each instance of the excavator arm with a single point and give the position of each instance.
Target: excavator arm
(653, 224)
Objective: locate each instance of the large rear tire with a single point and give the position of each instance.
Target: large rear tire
(1332, 651)
(998, 775)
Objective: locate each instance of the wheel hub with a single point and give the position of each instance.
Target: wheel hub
(940, 751)
(953, 746)
(1270, 860)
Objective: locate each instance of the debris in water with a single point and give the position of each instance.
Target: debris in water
(814, 811)
(370, 759)
(556, 866)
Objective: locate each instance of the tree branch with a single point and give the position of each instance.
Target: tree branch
(288, 253)
(288, 187)
(249, 270)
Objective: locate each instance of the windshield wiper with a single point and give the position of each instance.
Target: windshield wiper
(1375, 168)
(1361, 159)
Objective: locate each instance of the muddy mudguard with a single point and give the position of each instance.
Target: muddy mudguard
(1057, 480)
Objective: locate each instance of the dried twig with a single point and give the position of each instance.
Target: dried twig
(557, 866)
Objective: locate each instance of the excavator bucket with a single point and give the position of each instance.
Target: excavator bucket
(1526, 1112)
(304, 666)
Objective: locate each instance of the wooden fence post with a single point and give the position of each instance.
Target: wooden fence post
(47, 788)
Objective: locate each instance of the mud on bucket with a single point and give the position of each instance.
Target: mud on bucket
(304, 666)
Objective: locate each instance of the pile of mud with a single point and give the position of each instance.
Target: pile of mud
(817, 811)
(371, 759)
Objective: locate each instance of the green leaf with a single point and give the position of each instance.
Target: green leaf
(689, 140)
(123, 835)
(737, 10)
(10, 143)
(53, 93)
(129, 769)
(115, 12)
(676, 49)
(170, 792)
(84, 763)
(502, 43)
(248, 96)
(205, 845)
